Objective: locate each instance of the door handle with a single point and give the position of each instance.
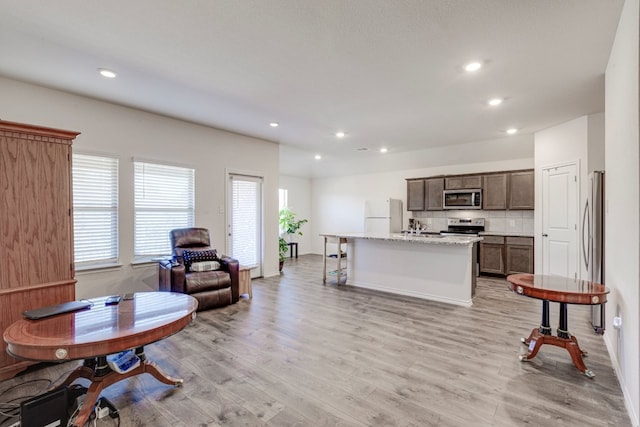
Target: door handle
(545, 235)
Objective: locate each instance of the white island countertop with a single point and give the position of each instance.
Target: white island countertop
(431, 239)
(434, 267)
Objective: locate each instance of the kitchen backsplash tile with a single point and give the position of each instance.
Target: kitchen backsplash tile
(495, 221)
(513, 225)
(495, 224)
(513, 214)
(527, 226)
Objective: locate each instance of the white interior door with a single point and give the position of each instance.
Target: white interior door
(245, 221)
(560, 221)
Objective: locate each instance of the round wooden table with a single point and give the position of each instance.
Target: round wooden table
(565, 291)
(101, 330)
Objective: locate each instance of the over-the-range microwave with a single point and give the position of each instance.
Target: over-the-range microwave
(462, 199)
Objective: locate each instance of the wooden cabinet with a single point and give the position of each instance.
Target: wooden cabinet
(36, 225)
(519, 255)
(415, 195)
(494, 192)
(500, 190)
(492, 255)
(506, 255)
(463, 182)
(522, 190)
(433, 194)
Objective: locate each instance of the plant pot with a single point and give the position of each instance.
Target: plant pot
(281, 265)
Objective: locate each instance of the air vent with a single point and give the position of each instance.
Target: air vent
(362, 149)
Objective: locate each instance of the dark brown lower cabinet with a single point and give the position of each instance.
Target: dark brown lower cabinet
(519, 255)
(506, 255)
(492, 255)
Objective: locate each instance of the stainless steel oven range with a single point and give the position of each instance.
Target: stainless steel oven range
(463, 227)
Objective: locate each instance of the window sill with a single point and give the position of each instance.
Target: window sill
(89, 269)
(143, 263)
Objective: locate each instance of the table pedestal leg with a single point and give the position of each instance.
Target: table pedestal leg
(542, 335)
(101, 378)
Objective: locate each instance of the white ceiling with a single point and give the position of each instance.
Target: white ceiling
(388, 72)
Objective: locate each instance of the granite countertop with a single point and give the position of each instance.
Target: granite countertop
(506, 233)
(429, 239)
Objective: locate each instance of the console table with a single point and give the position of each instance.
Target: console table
(244, 281)
(293, 247)
(94, 333)
(565, 291)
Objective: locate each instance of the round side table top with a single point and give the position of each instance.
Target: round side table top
(101, 329)
(558, 289)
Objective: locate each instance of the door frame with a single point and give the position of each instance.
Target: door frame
(228, 199)
(539, 266)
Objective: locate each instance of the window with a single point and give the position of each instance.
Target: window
(164, 200)
(283, 195)
(95, 210)
(246, 220)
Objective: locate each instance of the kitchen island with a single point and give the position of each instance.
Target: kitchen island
(434, 267)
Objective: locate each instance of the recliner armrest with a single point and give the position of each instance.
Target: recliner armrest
(232, 266)
(178, 273)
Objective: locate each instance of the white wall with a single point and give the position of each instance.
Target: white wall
(338, 202)
(595, 136)
(622, 219)
(581, 141)
(299, 201)
(127, 133)
(562, 144)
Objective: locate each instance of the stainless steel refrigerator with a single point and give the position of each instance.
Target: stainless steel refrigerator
(593, 242)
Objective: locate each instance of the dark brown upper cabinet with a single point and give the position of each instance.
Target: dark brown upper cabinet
(463, 182)
(415, 195)
(494, 192)
(522, 190)
(500, 190)
(433, 193)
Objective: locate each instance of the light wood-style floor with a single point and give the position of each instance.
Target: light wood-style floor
(306, 354)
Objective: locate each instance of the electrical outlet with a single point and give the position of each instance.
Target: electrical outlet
(102, 412)
(105, 403)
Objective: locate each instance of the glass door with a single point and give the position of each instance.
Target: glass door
(245, 221)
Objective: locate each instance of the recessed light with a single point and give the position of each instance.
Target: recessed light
(384, 150)
(274, 124)
(107, 73)
(473, 66)
(317, 157)
(340, 134)
(512, 131)
(495, 101)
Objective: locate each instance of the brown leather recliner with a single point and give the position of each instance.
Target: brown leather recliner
(211, 288)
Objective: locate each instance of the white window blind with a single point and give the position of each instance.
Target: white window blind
(164, 200)
(95, 210)
(245, 219)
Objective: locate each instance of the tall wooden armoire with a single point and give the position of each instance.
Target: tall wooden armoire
(36, 225)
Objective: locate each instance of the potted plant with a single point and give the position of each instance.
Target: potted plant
(289, 223)
(283, 247)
